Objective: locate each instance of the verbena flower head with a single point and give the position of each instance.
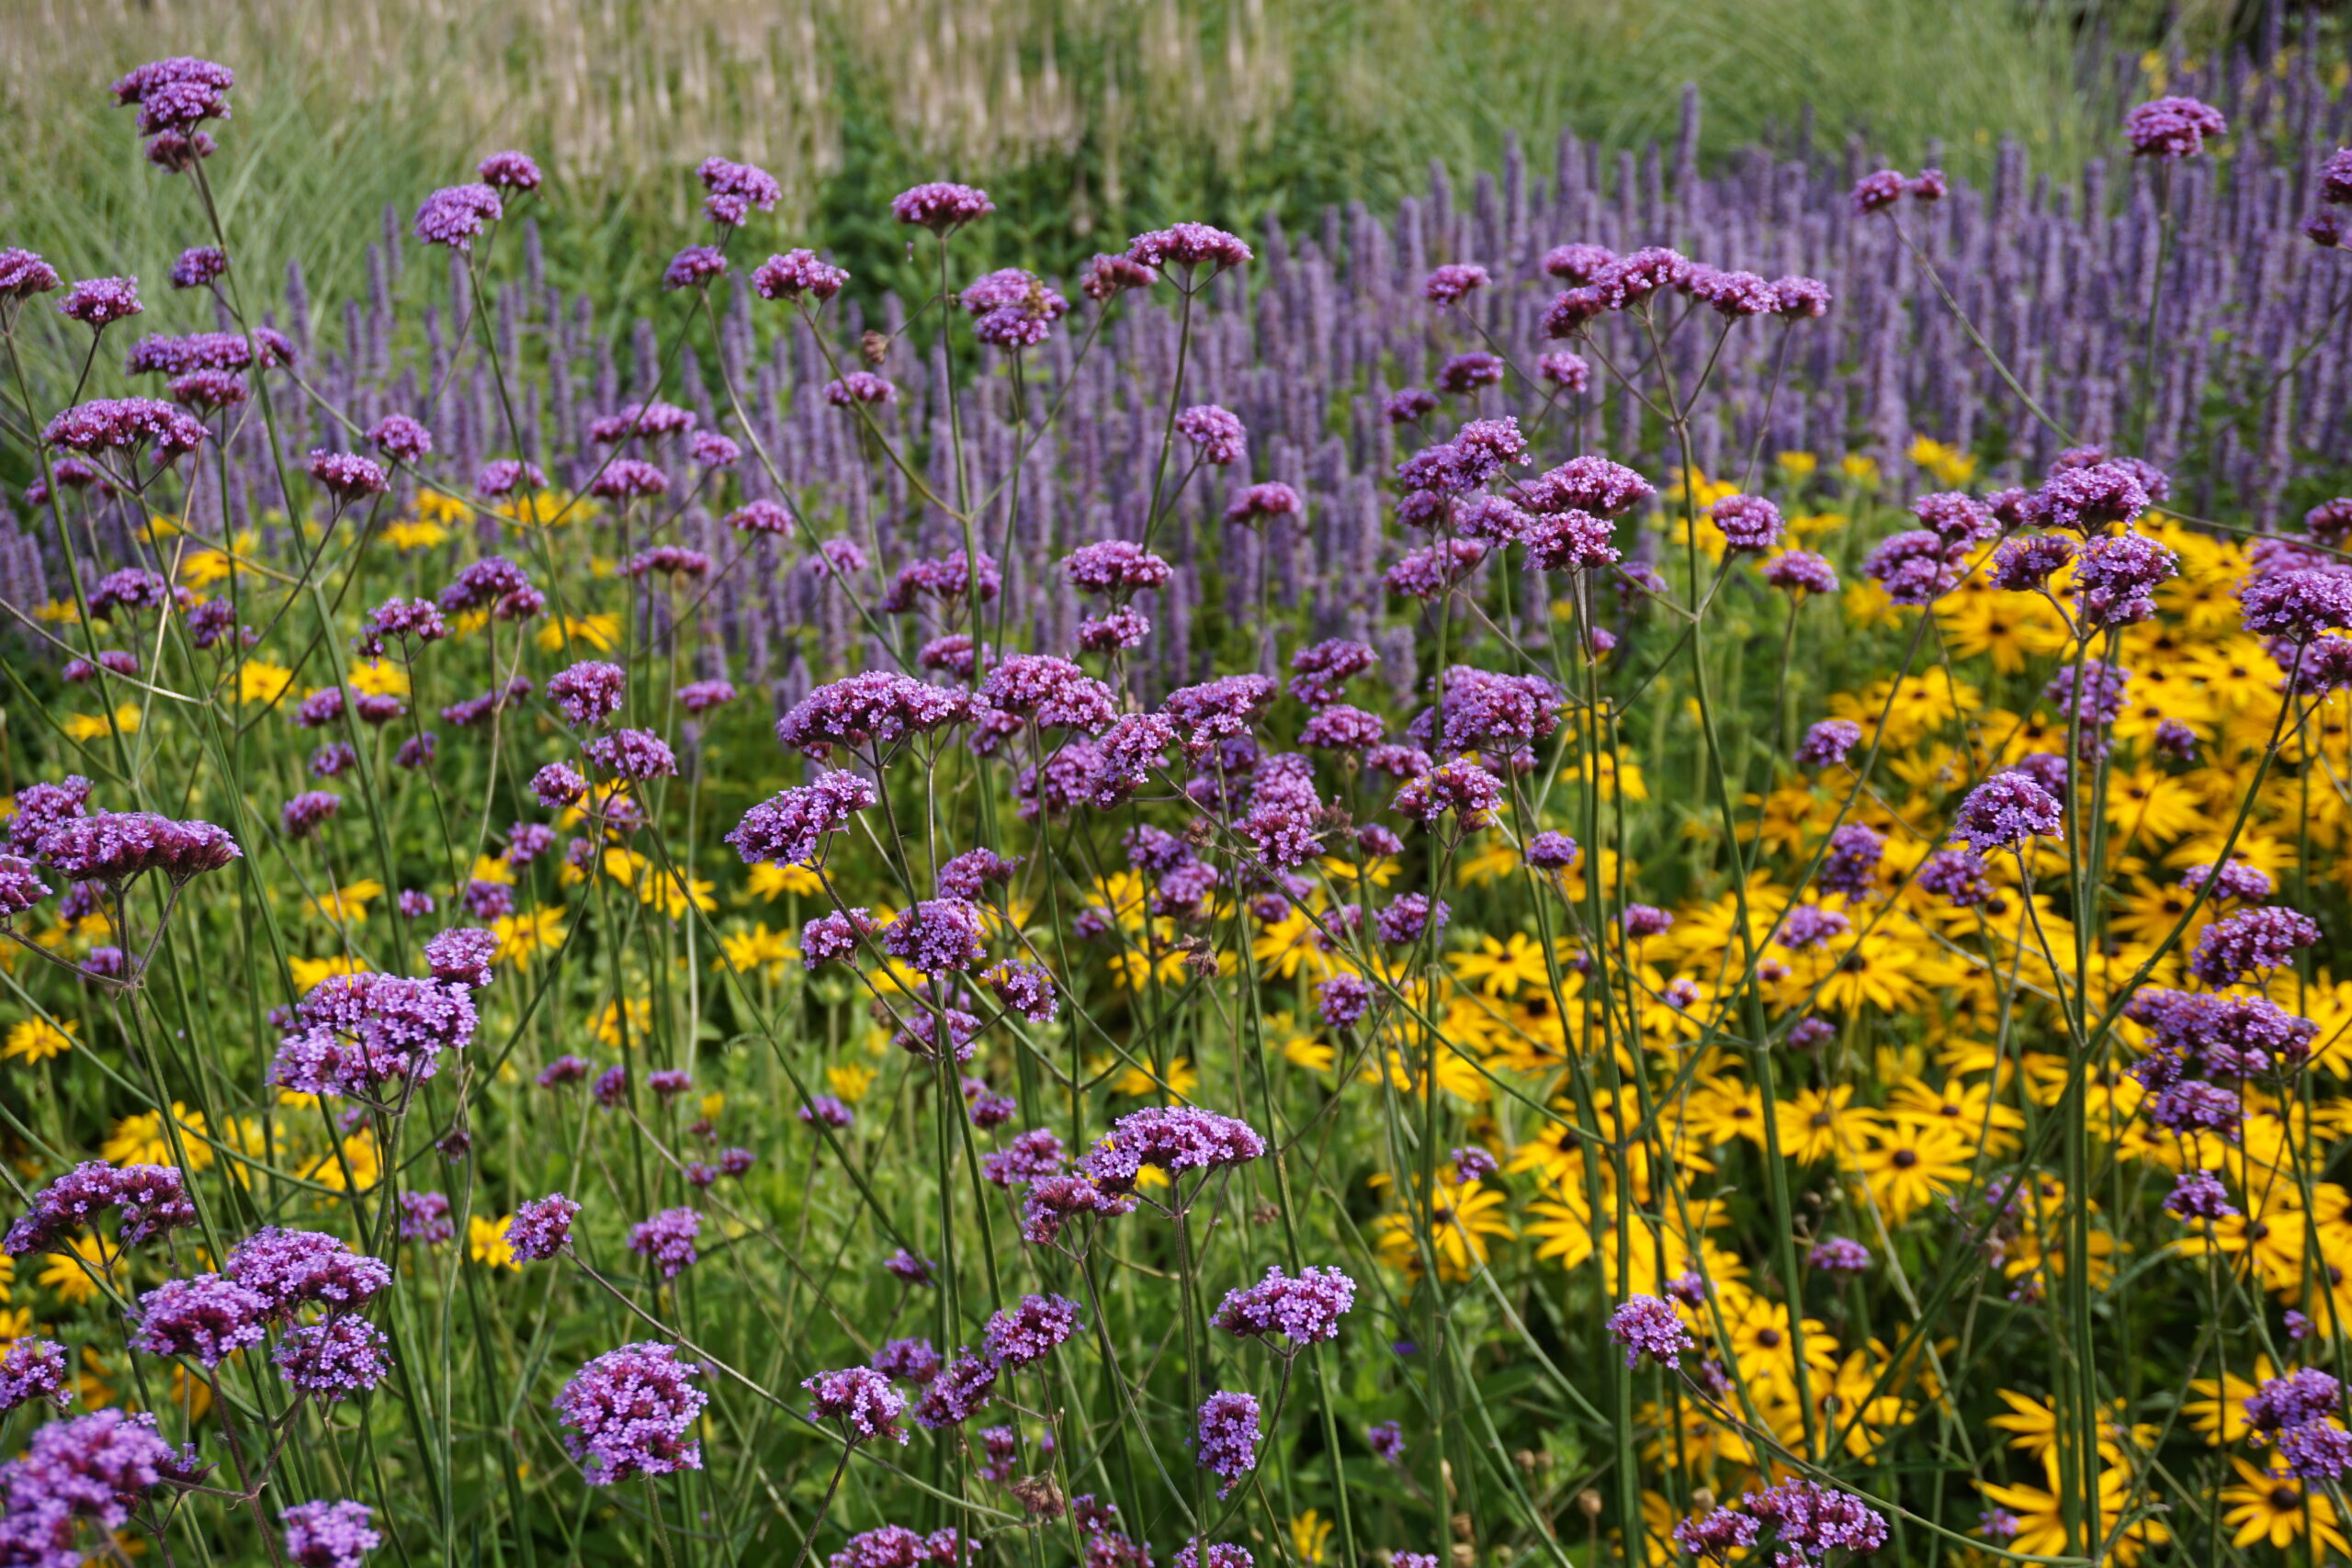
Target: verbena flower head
(456, 217)
(541, 1227)
(1837, 1255)
(940, 206)
(590, 693)
(1188, 246)
(628, 1413)
(329, 1534)
(127, 424)
(23, 275)
(860, 387)
(2297, 604)
(100, 301)
(1228, 1437)
(151, 1198)
(1749, 522)
(861, 1400)
(1216, 433)
(2173, 127)
(367, 1034)
(693, 266)
(735, 190)
(1878, 191)
(1958, 520)
(1800, 572)
(2249, 939)
(509, 170)
(2199, 1195)
(1915, 566)
(335, 1359)
(798, 273)
(115, 847)
(1171, 1139)
(2006, 810)
(1029, 1330)
(34, 1369)
(96, 1466)
(504, 476)
(877, 708)
(1454, 282)
(1304, 1310)
(292, 1268)
(1649, 1327)
(2092, 497)
(208, 1318)
(1810, 1520)
(667, 1240)
(2116, 578)
(1011, 309)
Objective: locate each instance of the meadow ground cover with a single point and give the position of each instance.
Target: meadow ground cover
(1458, 888)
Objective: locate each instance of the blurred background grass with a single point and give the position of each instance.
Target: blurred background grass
(1088, 119)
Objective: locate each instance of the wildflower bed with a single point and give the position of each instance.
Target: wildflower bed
(1708, 1002)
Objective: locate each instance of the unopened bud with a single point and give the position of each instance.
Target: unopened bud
(1588, 1500)
(874, 347)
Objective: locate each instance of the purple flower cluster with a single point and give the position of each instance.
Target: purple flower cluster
(1649, 1327)
(1228, 1434)
(152, 1200)
(2248, 940)
(2172, 128)
(1029, 1330)
(861, 1400)
(1171, 1139)
(335, 1359)
(1304, 1310)
(330, 1535)
(95, 1468)
(628, 1412)
(667, 1240)
(542, 1227)
(357, 1035)
(1809, 1521)
(32, 1370)
(2006, 810)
